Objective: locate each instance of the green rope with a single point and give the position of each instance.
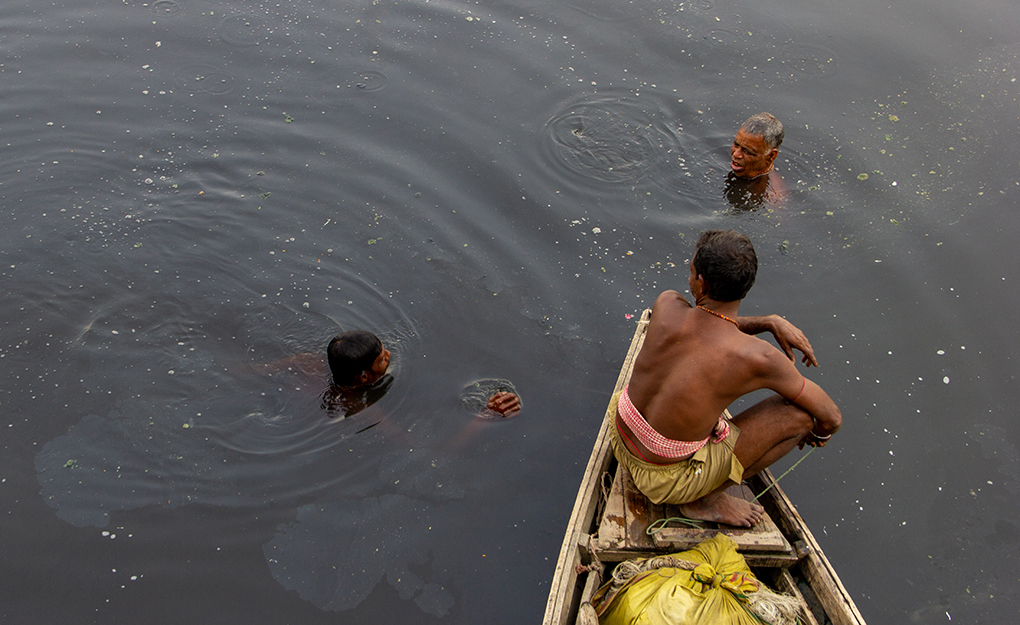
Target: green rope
(776, 481)
(660, 524)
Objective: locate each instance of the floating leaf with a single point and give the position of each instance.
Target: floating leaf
(893, 118)
(862, 176)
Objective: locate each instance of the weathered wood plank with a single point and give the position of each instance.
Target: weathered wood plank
(612, 533)
(639, 514)
(785, 584)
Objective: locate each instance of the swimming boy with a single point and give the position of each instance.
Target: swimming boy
(358, 359)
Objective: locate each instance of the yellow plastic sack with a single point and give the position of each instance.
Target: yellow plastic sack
(714, 593)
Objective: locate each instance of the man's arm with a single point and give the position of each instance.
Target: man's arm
(781, 375)
(786, 334)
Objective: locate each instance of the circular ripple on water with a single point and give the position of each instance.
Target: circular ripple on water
(167, 8)
(721, 37)
(613, 139)
(368, 80)
(205, 79)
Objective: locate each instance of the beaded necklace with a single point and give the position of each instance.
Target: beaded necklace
(712, 312)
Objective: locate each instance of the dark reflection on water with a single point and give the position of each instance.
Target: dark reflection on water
(192, 190)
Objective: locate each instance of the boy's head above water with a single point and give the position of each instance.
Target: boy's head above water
(357, 358)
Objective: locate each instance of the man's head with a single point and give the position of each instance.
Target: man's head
(756, 145)
(726, 261)
(357, 358)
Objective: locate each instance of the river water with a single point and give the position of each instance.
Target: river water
(191, 189)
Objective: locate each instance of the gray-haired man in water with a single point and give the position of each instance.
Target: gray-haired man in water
(695, 362)
(756, 146)
(751, 181)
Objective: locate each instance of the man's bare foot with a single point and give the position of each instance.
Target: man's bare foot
(719, 507)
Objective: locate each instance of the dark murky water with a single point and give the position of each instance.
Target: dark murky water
(191, 188)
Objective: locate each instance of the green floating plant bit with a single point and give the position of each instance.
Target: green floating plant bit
(862, 176)
(374, 241)
(287, 118)
(70, 463)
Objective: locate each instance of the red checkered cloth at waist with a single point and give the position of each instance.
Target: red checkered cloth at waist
(659, 444)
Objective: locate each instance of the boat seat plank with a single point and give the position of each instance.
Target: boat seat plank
(628, 514)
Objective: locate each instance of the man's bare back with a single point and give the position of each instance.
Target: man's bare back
(696, 361)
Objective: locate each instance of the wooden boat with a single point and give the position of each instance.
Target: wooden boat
(610, 519)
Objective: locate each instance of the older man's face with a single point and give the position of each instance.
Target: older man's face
(749, 157)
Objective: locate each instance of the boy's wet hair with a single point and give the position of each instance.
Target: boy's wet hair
(726, 259)
(350, 354)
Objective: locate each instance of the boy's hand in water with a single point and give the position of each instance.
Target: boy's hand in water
(504, 404)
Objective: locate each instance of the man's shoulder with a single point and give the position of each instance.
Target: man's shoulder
(764, 357)
(669, 300)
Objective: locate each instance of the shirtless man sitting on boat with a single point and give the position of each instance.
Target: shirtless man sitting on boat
(695, 362)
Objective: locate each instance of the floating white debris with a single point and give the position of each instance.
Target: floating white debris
(945, 380)
(941, 352)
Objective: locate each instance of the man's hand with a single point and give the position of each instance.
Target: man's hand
(787, 335)
(813, 440)
(790, 338)
(504, 404)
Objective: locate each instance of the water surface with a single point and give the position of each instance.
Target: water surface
(191, 189)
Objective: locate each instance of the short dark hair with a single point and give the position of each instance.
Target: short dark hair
(766, 126)
(726, 259)
(350, 354)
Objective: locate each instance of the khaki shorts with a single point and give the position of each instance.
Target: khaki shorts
(687, 480)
